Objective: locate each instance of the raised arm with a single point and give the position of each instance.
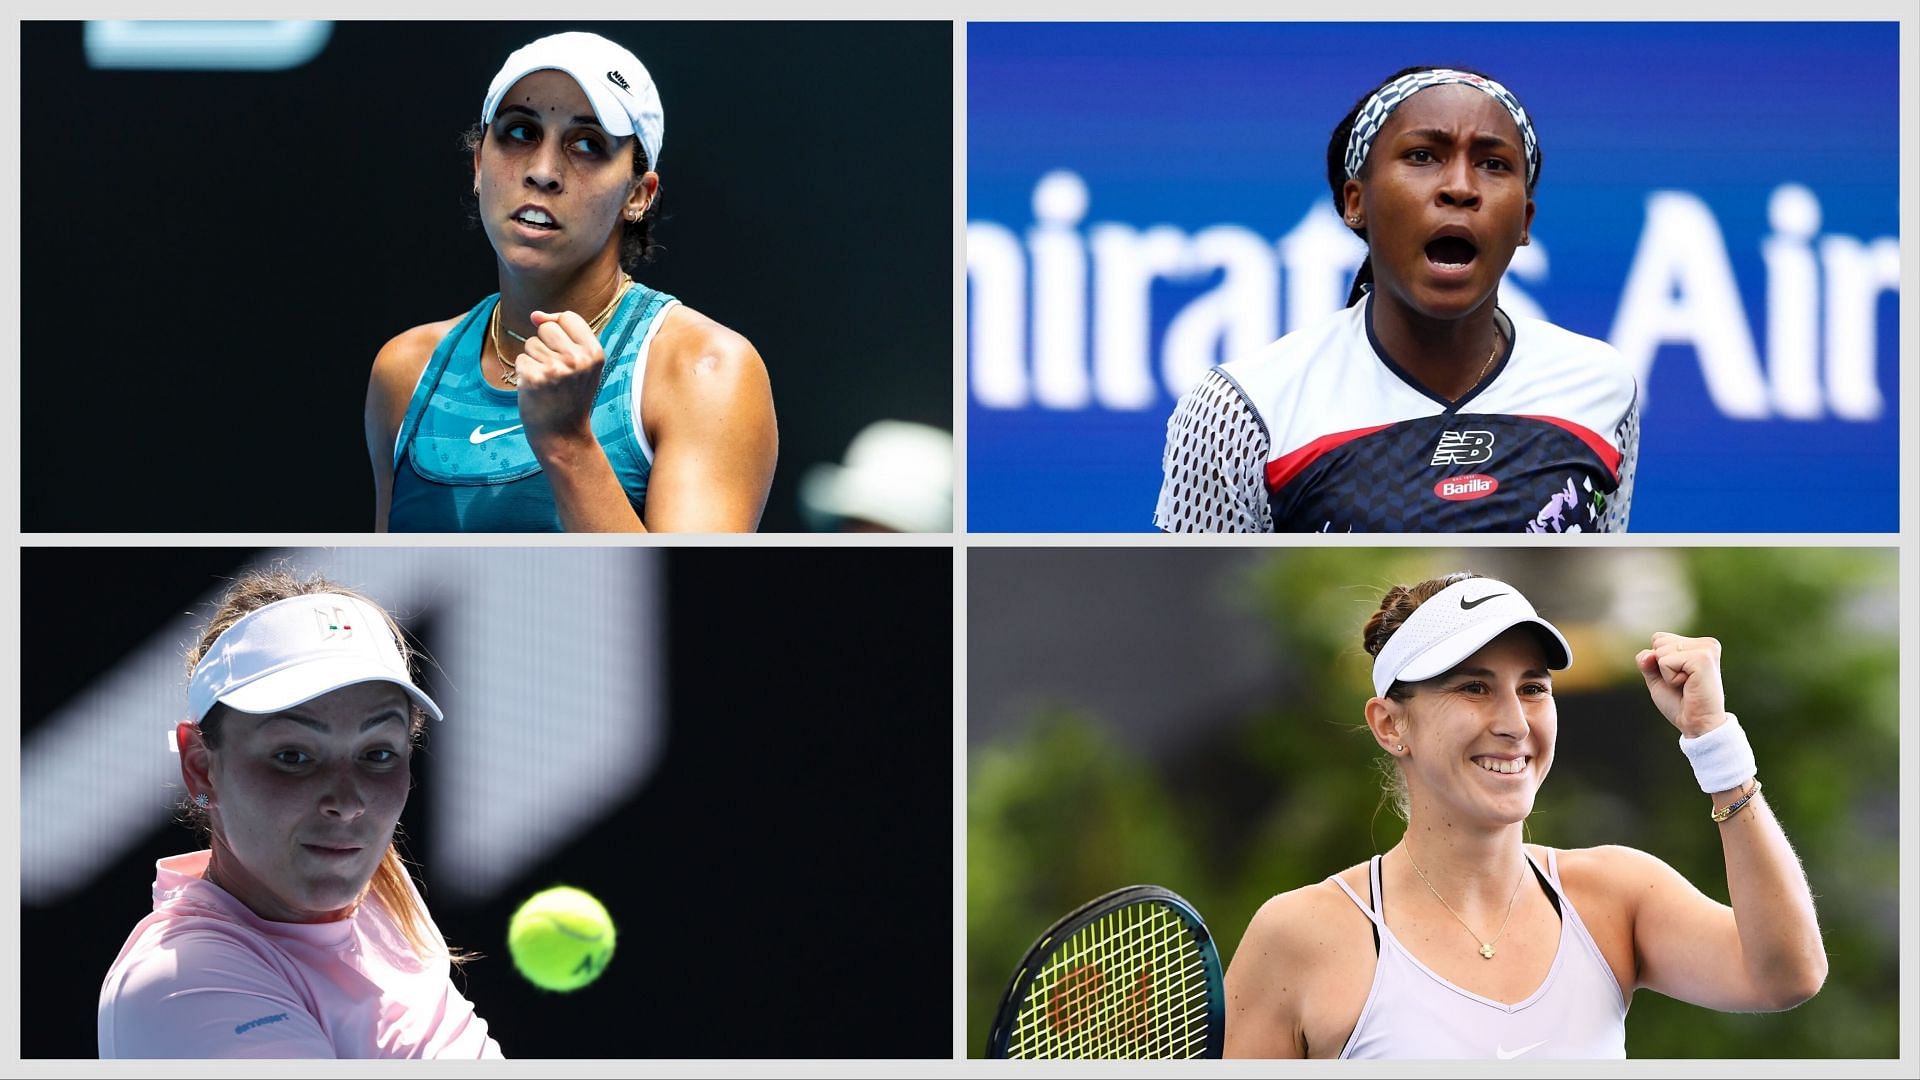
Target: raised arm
(1762, 953)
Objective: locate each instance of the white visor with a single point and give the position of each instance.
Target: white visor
(1453, 625)
(294, 650)
(616, 84)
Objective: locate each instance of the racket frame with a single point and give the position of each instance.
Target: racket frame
(1072, 922)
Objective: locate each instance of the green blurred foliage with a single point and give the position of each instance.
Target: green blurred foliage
(1289, 792)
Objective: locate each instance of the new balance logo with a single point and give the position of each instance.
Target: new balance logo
(614, 78)
(1463, 448)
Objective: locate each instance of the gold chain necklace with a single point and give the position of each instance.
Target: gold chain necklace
(510, 371)
(1486, 947)
(1484, 368)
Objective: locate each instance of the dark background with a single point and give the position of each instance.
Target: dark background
(782, 883)
(210, 260)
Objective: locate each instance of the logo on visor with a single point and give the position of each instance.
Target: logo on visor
(333, 623)
(1469, 605)
(1463, 448)
(614, 78)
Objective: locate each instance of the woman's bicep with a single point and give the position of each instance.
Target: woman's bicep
(1263, 1004)
(1686, 945)
(385, 410)
(380, 455)
(715, 443)
(390, 387)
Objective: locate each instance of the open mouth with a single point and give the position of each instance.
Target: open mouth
(1451, 252)
(536, 219)
(1503, 766)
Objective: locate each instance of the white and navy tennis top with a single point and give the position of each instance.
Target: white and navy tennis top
(1323, 432)
(1578, 1011)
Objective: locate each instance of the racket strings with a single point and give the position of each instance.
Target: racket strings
(1130, 984)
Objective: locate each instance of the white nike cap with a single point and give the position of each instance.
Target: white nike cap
(1454, 624)
(294, 650)
(616, 84)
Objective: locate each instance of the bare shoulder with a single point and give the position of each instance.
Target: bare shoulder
(402, 358)
(1608, 883)
(706, 382)
(1299, 975)
(396, 368)
(1608, 868)
(692, 349)
(1307, 923)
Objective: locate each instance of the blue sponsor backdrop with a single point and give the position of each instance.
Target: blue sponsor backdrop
(1718, 200)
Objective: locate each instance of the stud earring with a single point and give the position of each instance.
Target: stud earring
(1354, 220)
(1401, 749)
(201, 800)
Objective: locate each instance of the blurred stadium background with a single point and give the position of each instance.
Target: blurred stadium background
(744, 754)
(263, 232)
(1191, 718)
(1145, 201)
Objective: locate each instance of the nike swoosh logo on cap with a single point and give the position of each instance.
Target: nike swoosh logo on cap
(1469, 605)
(479, 436)
(1502, 1052)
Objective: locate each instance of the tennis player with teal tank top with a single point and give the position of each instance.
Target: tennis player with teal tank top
(461, 455)
(525, 415)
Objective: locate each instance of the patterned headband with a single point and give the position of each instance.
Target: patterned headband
(1373, 115)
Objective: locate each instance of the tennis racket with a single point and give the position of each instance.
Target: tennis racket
(1132, 974)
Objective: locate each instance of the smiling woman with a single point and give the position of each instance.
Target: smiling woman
(299, 932)
(1422, 406)
(575, 398)
(1493, 947)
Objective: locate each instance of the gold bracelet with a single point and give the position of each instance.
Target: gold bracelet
(1738, 804)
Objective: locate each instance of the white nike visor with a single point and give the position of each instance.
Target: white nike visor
(1456, 623)
(294, 650)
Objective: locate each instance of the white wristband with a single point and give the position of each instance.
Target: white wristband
(1722, 758)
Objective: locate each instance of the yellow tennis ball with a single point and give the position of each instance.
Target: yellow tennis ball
(561, 938)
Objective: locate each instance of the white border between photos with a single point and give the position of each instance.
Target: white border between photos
(965, 1042)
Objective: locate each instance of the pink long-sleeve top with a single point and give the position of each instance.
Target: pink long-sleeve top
(204, 977)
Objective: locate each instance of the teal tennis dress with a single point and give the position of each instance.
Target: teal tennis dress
(462, 462)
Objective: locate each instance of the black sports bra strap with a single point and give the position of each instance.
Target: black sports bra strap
(1546, 882)
(1377, 898)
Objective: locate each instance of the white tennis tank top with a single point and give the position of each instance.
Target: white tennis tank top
(1578, 1011)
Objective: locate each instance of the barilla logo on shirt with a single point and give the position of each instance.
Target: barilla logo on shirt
(1462, 488)
(261, 1022)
